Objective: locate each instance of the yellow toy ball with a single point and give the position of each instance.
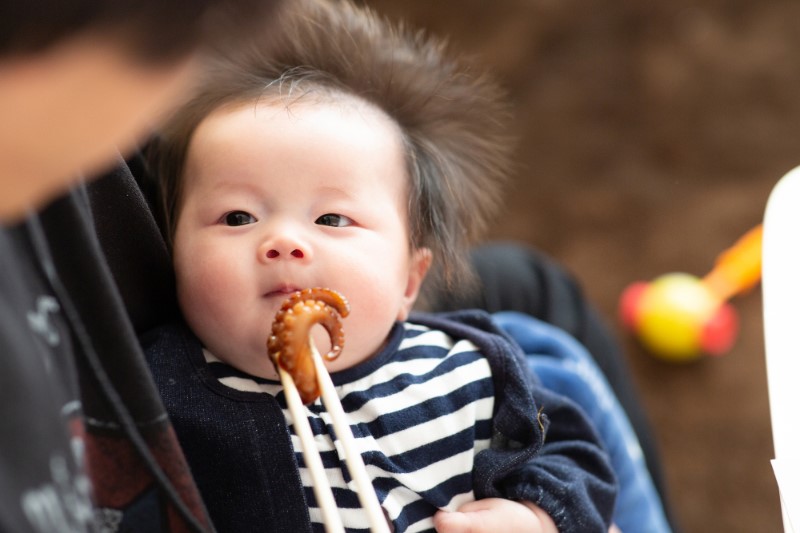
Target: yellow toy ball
(672, 313)
(678, 318)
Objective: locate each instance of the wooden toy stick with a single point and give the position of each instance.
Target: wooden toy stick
(737, 269)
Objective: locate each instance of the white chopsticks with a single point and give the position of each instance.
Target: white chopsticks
(355, 464)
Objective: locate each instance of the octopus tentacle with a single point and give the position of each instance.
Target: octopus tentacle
(289, 345)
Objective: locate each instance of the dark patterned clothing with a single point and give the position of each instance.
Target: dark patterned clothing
(85, 443)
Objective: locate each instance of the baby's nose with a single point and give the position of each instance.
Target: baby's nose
(284, 246)
(274, 253)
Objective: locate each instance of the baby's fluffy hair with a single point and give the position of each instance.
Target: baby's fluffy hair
(450, 115)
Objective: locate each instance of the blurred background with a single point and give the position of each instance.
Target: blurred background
(650, 135)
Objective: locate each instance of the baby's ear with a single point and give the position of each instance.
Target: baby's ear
(421, 259)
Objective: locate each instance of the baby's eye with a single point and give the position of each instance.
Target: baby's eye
(331, 219)
(237, 218)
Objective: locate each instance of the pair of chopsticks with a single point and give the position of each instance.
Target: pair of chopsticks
(355, 464)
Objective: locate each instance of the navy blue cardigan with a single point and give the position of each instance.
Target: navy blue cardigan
(242, 459)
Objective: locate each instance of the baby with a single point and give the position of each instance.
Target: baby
(353, 158)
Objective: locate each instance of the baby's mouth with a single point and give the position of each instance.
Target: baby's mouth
(282, 291)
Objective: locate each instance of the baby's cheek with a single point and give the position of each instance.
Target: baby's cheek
(197, 307)
(365, 335)
(205, 286)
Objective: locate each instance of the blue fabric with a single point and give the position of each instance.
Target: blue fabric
(571, 477)
(564, 366)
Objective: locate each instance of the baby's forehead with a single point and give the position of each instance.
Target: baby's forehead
(335, 108)
(318, 115)
(288, 97)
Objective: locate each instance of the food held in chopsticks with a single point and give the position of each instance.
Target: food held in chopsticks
(305, 378)
(289, 346)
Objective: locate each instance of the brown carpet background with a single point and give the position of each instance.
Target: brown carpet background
(651, 134)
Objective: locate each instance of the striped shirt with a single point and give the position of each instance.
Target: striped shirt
(420, 411)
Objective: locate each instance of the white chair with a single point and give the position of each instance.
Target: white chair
(781, 298)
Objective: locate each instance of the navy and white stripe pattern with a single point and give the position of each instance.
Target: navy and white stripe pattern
(420, 411)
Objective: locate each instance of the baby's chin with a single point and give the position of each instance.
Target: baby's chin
(263, 368)
(270, 373)
(256, 362)
(354, 355)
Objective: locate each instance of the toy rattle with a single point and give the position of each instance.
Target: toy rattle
(304, 379)
(679, 317)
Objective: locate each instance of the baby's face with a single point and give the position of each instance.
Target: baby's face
(278, 199)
